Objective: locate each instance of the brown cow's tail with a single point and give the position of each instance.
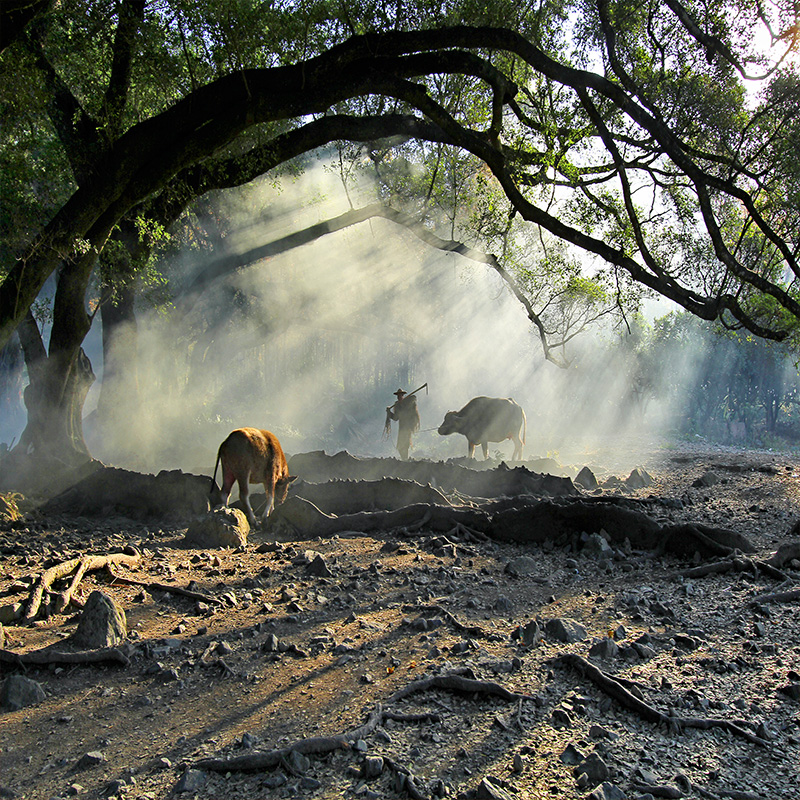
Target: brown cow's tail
(214, 478)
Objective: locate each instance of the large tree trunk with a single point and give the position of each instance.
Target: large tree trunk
(119, 391)
(61, 377)
(54, 401)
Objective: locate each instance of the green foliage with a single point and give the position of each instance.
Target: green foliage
(727, 386)
(623, 188)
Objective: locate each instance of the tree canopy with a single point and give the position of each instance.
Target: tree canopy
(654, 143)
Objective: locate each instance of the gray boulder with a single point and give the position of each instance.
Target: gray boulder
(102, 623)
(638, 479)
(564, 629)
(586, 479)
(222, 527)
(19, 692)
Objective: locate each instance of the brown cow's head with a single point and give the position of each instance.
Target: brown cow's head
(282, 488)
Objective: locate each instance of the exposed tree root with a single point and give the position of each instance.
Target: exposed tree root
(80, 566)
(519, 519)
(433, 610)
(53, 657)
(457, 683)
(614, 688)
(788, 551)
(736, 564)
(778, 597)
(152, 586)
(408, 780)
(316, 745)
(319, 745)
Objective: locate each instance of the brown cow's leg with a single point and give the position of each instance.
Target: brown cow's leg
(270, 491)
(471, 450)
(228, 479)
(244, 496)
(485, 448)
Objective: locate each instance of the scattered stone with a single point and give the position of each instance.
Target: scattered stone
(597, 546)
(297, 762)
(529, 634)
(191, 781)
(20, 692)
(599, 732)
(491, 789)
(605, 648)
(114, 788)
(90, 759)
(560, 718)
(249, 740)
(271, 644)
(373, 767)
(318, 567)
(571, 756)
(102, 623)
(705, 480)
(564, 629)
(591, 771)
(791, 690)
(607, 791)
(523, 565)
(504, 605)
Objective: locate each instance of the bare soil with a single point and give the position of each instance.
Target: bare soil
(287, 655)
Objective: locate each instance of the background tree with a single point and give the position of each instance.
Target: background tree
(620, 129)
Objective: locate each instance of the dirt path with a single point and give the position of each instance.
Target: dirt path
(288, 655)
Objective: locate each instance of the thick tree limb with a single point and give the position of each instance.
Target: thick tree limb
(148, 156)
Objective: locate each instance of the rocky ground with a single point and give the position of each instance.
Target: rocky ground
(413, 664)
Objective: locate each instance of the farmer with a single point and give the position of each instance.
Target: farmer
(404, 412)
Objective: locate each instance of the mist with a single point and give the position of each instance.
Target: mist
(312, 343)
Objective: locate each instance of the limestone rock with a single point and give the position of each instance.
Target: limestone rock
(523, 565)
(102, 623)
(222, 527)
(564, 629)
(638, 479)
(19, 692)
(586, 479)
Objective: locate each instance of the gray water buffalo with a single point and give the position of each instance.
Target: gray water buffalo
(250, 455)
(488, 419)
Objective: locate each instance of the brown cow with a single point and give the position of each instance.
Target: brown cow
(250, 455)
(488, 419)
